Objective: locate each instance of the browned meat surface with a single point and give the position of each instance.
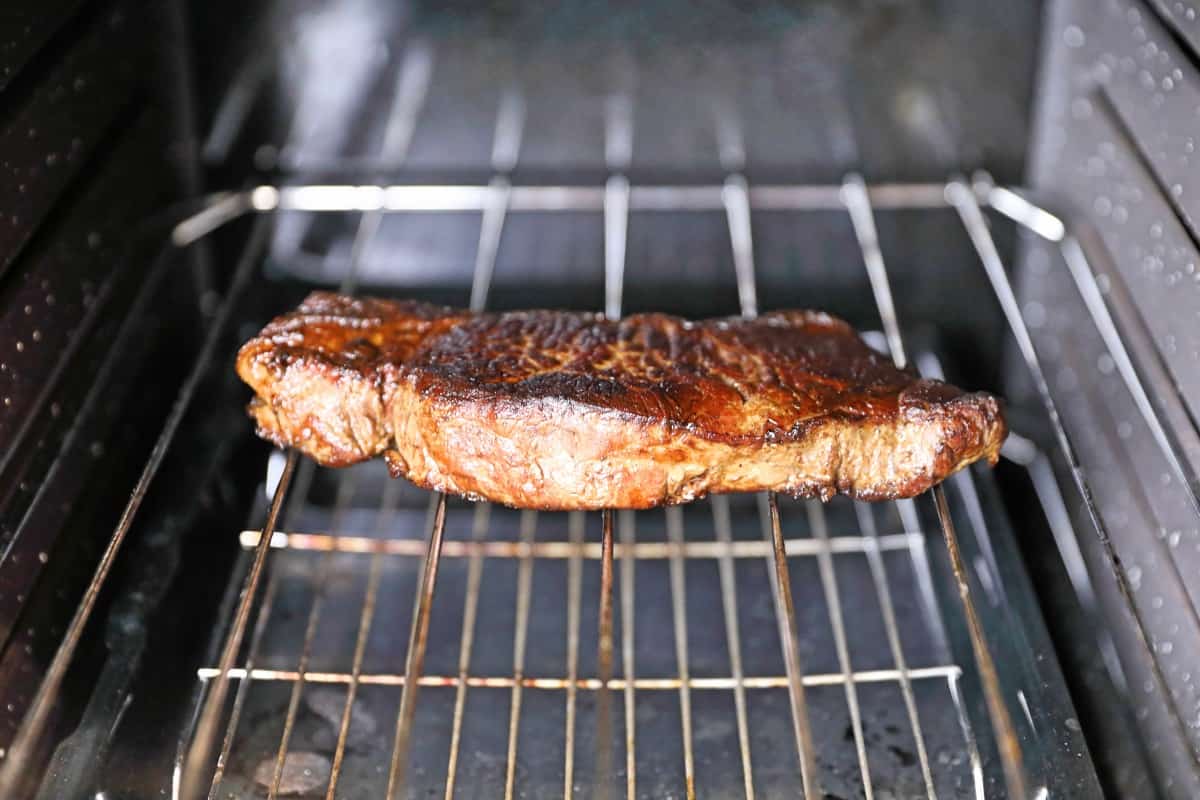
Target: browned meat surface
(558, 410)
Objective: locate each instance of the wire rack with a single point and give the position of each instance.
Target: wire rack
(753, 647)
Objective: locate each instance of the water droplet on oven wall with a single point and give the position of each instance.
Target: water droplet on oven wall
(1102, 206)
(1073, 36)
(1156, 602)
(1134, 573)
(51, 159)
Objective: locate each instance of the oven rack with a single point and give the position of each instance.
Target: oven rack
(1032, 734)
(1006, 720)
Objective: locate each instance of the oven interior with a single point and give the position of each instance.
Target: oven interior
(187, 612)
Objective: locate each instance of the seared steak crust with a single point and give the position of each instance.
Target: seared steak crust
(560, 410)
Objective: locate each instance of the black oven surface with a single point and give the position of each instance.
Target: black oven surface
(189, 613)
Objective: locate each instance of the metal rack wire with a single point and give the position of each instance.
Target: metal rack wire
(876, 535)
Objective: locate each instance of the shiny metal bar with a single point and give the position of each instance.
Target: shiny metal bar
(679, 616)
(963, 200)
(866, 522)
(189, 778)
(858, 204)
(736, 200)
(345, 492)
(618, 112)
(218, 209)
(391, 496)
(239, 699)
(731, 143)
(843, 543)
(416, 70)
(490, 230)
(293, 707)
(627, 653)
(604, 659)
(520, 633)
(235, 107)
(733, 635)
(417, 639)
(557, 684)
(964, 724)
(506, 148)
(510, 127)
(1006, 735)
(1020, 209)
(575, 525)
(833, 603)
(618, 153)
(907, 510)
(545, 198)
(785, 613)
(470, 610)
(303, 480)
(616, 230)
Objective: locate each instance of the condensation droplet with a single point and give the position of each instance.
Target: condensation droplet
(1035, 314)
(1073, 36)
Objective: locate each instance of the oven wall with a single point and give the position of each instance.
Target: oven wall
(92, 150)
(1113, 146)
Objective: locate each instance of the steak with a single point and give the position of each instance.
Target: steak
(565, 410)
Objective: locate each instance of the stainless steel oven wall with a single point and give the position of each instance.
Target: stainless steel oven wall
(1114, 144)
